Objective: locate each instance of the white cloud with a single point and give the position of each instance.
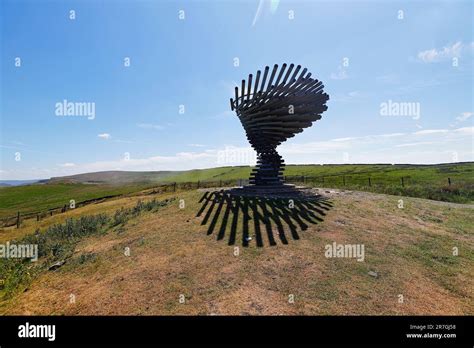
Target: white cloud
(465, 130)
(431, 131)
(464, 116)
(196, 145)
(415, 144)
(67, 164)
(437, 146)
(392, 135)
(343, 139)
(105, 136)
(179, 161)
(447, 52)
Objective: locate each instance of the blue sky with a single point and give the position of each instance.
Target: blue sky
(367, 53)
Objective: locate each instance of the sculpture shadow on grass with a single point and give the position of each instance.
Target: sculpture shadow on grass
(247, 218)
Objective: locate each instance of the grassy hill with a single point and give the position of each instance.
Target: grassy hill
(184, 253)
(114, 177)
(427, 181)
(41, 197)
(438, 173)
(424, 174)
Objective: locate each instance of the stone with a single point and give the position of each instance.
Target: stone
(373, 274)
(56, 265)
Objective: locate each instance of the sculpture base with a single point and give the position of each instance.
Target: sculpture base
(283, 191)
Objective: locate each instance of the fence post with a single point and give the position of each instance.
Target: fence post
(403, 184)
(449, 181)
(198, 184)
(174, 187)
(37, 217)
(370, 184)
(323, 179)
(344, 180)
(18, 220)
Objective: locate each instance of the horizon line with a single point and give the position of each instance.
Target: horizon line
(236, 166)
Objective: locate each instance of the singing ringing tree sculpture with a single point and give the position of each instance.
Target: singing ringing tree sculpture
(271, 111)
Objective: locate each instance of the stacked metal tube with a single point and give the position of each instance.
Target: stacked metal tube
(275, 107)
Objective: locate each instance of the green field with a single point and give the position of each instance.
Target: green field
(443, 182)
(462, 173)
(41, 197)
(425, 181)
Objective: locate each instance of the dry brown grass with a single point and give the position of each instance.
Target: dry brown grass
(171, 255)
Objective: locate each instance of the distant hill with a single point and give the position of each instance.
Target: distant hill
(6, 183)
(424, 173)
(452, 182)
(114, 177)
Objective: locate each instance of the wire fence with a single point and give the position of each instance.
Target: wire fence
(360, 181)
(163, 188)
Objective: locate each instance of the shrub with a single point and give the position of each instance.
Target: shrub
(58, 242)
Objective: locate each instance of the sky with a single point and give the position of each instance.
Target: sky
(157, 77)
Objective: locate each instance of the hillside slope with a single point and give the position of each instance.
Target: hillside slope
(424, 174)
(452, 182)
(181, 263)
(114, 177)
